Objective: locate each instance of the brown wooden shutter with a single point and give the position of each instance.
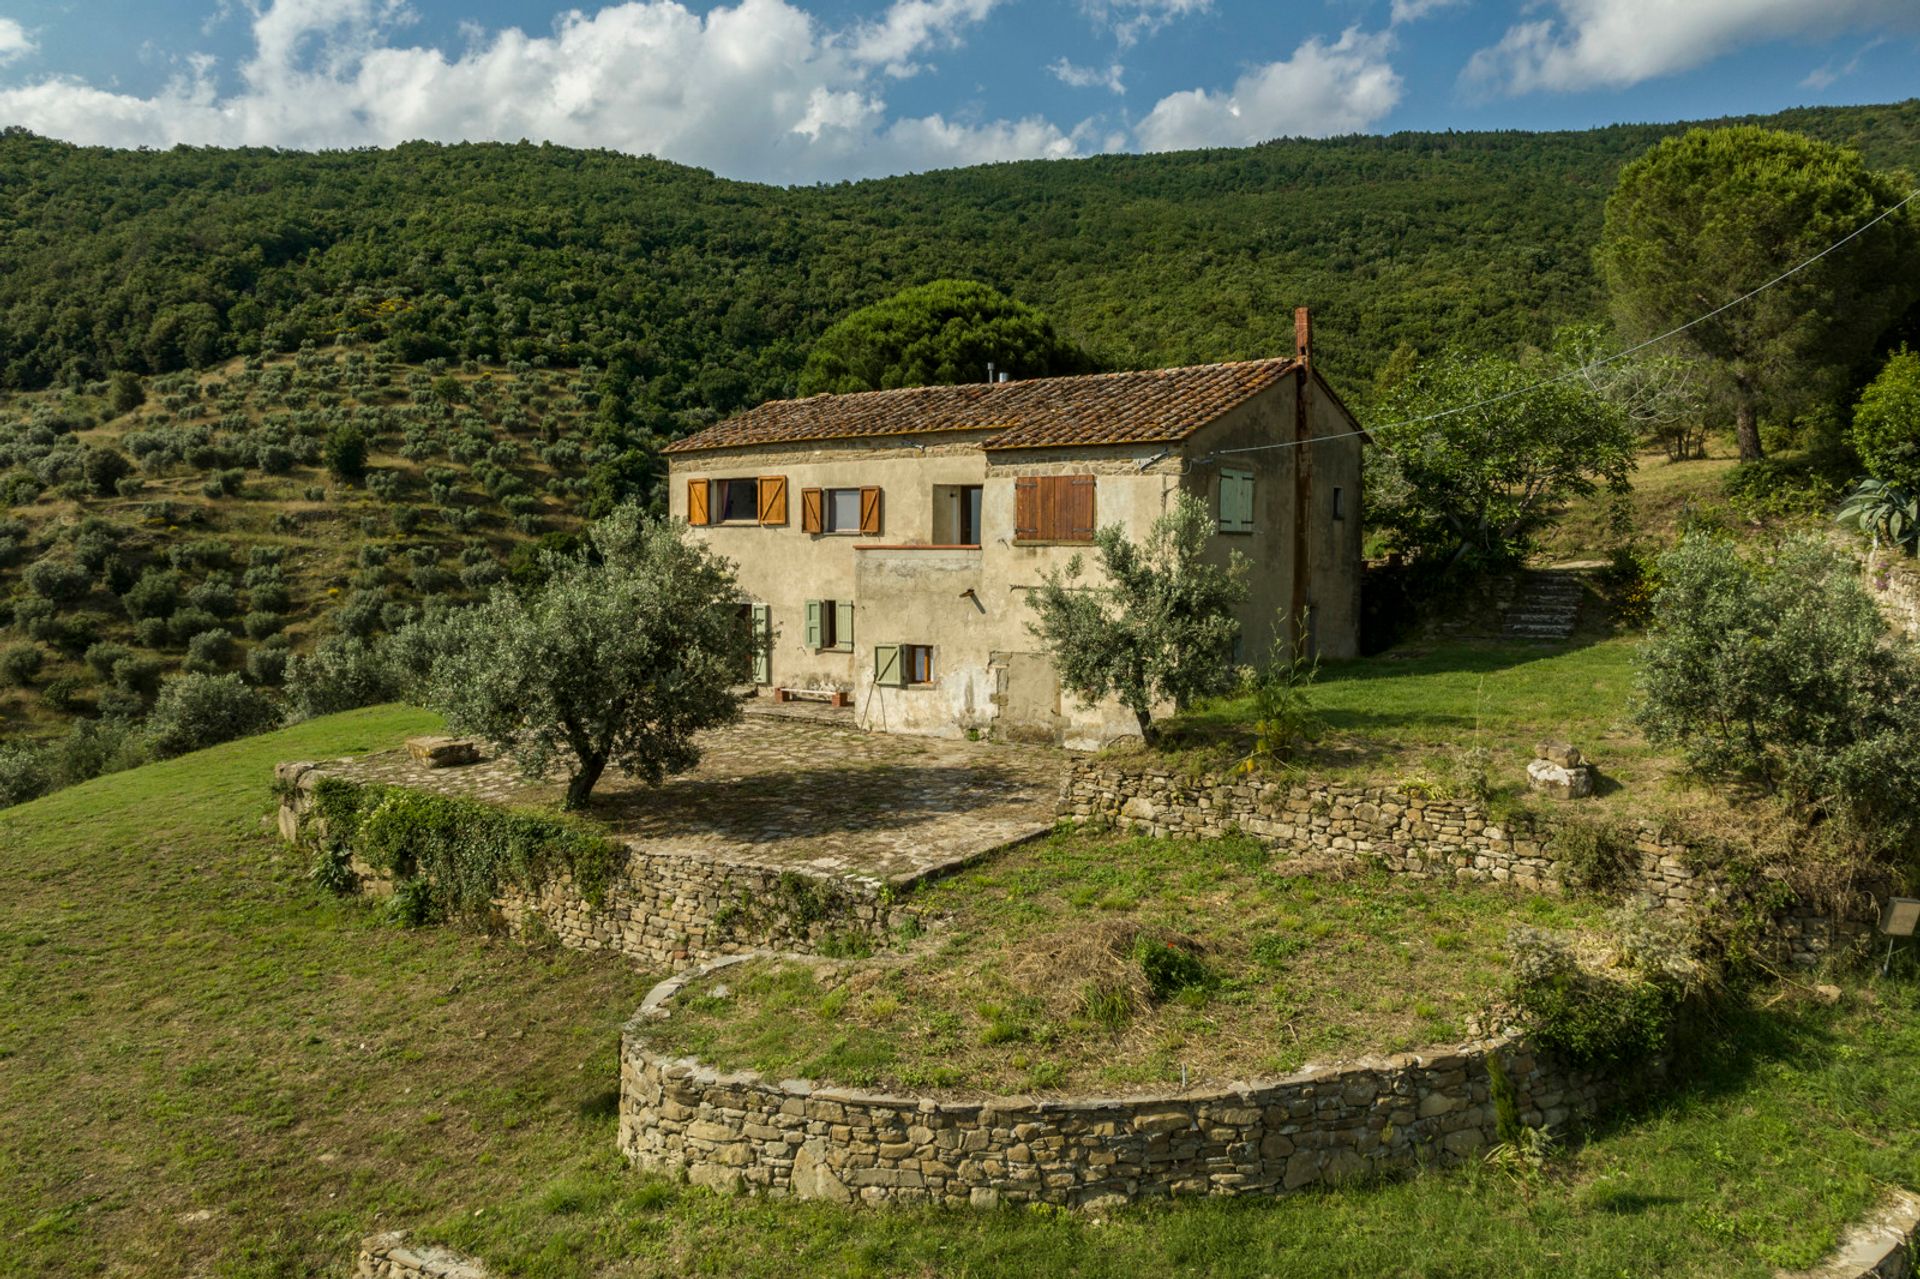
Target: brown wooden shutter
(1078, 508)
(870, 510)
(1026, 508)
(810, 502)
(697, 502)
(773, 499)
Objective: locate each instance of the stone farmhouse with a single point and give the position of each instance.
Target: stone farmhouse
(886, 541)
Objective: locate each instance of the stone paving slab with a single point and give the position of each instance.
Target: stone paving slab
(791, 794)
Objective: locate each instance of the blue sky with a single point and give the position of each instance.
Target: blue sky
(810, 90)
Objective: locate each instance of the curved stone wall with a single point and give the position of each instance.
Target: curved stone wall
(792, 1137)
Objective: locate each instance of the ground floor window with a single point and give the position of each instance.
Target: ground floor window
(916, 661)
(830, 625)
(902, 665)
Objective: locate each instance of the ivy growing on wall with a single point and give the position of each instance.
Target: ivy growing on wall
(451, 856)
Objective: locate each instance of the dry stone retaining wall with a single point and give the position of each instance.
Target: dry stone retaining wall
(1413, 835)
(660, 907)
(791, 1137)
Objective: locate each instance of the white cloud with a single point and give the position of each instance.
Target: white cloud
(1133, 20)
(756, 89)
(1405, 11)
(1112, 78)
(14, 41)
(1615, 43)
(1323, 89)
(1828, 73)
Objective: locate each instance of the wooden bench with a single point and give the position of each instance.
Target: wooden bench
(831, 696)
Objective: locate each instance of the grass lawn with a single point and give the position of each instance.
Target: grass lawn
(1412, 714)
(1036, 980)
(207, 1067)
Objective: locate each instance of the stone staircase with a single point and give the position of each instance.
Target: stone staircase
(1545, 604)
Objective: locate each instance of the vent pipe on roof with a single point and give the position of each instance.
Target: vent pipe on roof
(1006, 377)
(990, 376)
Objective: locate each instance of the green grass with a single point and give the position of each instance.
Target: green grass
(207, 1067)
(1034, 978)
(1413, 713)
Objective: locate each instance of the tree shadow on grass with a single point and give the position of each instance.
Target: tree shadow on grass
(777, 807)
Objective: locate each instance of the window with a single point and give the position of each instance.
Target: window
(901, 665)
(956, 514)
(830, 625)
(1053, 508)
(1339, 510)
(848, 510)
(757, 620)
(1236, 501)
(753, 501)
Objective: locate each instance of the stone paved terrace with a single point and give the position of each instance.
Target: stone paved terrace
(793, 793)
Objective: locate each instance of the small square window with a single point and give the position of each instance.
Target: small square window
(916, 663)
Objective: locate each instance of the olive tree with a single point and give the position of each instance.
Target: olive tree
(1158, 627)
(624, 651)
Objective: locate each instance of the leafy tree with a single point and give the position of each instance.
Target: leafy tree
(1158, 625)
(346, 453)
(618, 657)
(937, 334)
(1661, 393)
(104, 469)
(1476, 485)
(124, 391)
(1886, 422)
(195, 711)
(1705, 217)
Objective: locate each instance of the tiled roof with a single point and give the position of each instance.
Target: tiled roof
(1157, 406)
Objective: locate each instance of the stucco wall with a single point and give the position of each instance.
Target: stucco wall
(1320, 1126)
(1420, 837)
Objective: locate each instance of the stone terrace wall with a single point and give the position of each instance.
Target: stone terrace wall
(660, 908)
(1410, 835)
(1320, 1126)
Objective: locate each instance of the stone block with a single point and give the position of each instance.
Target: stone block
(1564, 754)
(1558, 782)
(443, 752)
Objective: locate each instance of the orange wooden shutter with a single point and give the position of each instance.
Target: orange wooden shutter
(773, 499)
(1026, 503)
(696, 501)
(870, 510)
(1079, 508)
(810, 500)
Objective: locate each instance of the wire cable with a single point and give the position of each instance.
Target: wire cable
(1581, 370)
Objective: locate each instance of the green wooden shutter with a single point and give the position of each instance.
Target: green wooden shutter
(886, 665)
(813, 624)
(843, 624)
(762, 644)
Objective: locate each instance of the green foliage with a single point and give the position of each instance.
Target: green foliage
(1599, 855)
(1280, 698)
(1159, 628)
(59, 580)
(458, 853)
(345, 453)
(125, 393)
(619, 657)
(937, 334)
(1588, 1018)
(1476, 487)
(1172, 967)
(1885, 512)
(1779, 667)
(1886, 422)
(19, 663)
(1707, 216)
(195, 711)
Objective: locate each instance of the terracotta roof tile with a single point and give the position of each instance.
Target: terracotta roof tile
(1157, 406)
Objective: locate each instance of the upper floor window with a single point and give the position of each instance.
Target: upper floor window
(761, 500)
(844, 510)
(1053, 508)
(1236, 501)
(956, 514)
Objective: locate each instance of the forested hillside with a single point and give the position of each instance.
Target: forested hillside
(699, 295)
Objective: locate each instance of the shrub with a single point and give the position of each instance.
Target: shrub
(62, 581)
(267, 666)
(270, 597)
(189, 622)
(345, 453)
(259, 624)
(104, 656)
(152, 632)
(1171, 968)
(93, 748)
(215, 595)
(104, 468)
(1588, 1018)
(1886, 422)
(26, 772)
(340, 674)
(19, 663)
(124, 392)
(194, 711)
(63, 694)
(210, 652)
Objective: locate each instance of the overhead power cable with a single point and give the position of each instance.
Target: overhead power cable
(1583, 369)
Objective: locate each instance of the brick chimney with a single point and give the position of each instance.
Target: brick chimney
(1302, 334)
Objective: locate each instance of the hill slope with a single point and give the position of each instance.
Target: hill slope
(703, 294)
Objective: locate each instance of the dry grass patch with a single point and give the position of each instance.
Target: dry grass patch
(1104, 963)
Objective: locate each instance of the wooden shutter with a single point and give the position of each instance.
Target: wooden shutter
(697, 502)
(1026, 508)
(870, 510)
(810, 503)
(762, 644)
(1078, 508)
(813, 624)
(773, 499)
(886, 665)
(1236, 502)
(843, 624)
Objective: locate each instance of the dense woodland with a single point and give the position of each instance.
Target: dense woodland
(698, 295)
